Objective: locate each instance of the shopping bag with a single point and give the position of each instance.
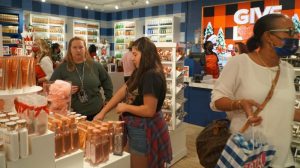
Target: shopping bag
(239, 152)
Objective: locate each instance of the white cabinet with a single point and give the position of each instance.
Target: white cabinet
(163, 29)
(124, 32)
(87, 30)
(47, 27)
(172, 55)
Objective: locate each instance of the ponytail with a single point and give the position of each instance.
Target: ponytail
(253, 43)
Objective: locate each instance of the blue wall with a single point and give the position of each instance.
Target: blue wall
(191, 9)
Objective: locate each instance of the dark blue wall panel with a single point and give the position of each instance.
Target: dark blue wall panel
(54, 9)
(91, 15)
(169, 9)
(136, 13)
(46, 8)
(142, 12)
(148, 12)
(84, 13)
(154, 11)
(36, 6)
(77, 12)
(16, 3)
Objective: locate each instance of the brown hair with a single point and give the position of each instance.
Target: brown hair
(242, 47)
(44, 48)
(150, 60)
(69, 59)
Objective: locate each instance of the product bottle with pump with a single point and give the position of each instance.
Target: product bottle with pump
(58, 139)
(74, 134)
(23, 137)
(118, 142)
(3, 129)
(66, 135)
(88, 143)
(96, 148)
(11, 142)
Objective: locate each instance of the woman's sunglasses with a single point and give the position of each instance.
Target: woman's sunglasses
(292, 32)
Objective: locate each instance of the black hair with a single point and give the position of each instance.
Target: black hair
(54, 46)
(262, 25)
(206, 44)
(92, 49)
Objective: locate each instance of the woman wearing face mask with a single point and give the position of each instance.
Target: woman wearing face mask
(211, 60)
(44, 65)
(246, 81)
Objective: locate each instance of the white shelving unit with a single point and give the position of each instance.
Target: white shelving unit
(124, 32)
(88, 30)
(47, 27)
(175, 87)
(163, 29)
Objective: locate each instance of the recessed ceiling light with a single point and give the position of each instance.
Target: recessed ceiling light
(116, 7)
(86, 7)
(147, 2)
(43, 0)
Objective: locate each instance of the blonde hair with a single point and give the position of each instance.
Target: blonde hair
(44, 49)
(69, 59)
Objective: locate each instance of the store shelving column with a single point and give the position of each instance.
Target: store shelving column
(172, 55)
(124, 32)
(87, 30)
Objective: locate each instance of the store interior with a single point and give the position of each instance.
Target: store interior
(178, 28)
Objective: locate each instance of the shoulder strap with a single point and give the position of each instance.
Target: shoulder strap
(267, 99)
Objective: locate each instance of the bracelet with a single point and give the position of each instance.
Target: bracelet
(232, 105)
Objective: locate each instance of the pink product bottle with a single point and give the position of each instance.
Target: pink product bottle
(88, 143)
(58, 138)
(96, 148)
(74, 134)
(111, 133)
(66, 136)
(105, 141)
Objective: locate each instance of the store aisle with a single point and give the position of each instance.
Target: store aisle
(191, 160)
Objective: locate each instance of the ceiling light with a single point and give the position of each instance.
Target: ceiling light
(116, 7)
(43, 0)
(86, 7)
(147, 2)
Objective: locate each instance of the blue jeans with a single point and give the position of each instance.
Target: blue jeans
(137, 140)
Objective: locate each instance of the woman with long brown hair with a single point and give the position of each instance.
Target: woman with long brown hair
(144, 94)
(87, 77)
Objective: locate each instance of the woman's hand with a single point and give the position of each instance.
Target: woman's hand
(100, 116)
(247, 105)
(121, 107)
(74, 89)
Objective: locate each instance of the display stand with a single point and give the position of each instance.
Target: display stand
(175, 93)
(113, 162)
(73, 160)
(41, 154)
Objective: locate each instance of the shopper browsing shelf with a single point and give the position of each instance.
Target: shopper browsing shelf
(44, 65)
(87, 77)
(246, 81)
(127, 61)
(144, 94)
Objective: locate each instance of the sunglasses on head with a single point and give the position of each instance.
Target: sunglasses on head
(291, 31)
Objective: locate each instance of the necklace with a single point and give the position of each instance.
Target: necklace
(263, 62)
(81, 78)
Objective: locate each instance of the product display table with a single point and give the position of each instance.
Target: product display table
(72, 160)
(113, 162)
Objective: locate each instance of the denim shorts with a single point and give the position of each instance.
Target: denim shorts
(137, 140)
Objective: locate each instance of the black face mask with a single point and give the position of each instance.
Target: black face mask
(210, 48)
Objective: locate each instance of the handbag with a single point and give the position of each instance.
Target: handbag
(212, 140)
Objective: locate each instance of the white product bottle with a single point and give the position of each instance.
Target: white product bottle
(2, 129)
(11, 142)
(2, 156)
(23, 137)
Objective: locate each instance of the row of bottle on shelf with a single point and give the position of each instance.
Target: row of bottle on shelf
(159, 31)
(86, 25)
(123, 40)
(124, 25)
(56, 29)
(9, 40)
(56, 38)
(9, 18)
(45, 20)
(92, 32)
(82, 32)
(92, 40)
(156, 39)
(10, 29)
(124, 32)
(158, 22)
(97, 139)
